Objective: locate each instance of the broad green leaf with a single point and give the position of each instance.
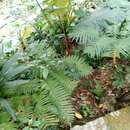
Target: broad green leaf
(26, 32)
(5, 105)
(59, 11)
(98, 90)
(45, 72)
(8, 64)
(13, 71)
(16, 83)
(61, 3)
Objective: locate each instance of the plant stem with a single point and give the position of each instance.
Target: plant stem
(45, 15)
(114, 59)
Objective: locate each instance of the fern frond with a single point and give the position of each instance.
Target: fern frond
(42, 111)
(68, 83)
(55, 101)
(79, 64)
(61, 100)
(8, 126)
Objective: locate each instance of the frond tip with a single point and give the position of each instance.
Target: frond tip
(79, 64)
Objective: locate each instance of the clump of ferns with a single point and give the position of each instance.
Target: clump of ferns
(57, 77)
(58, 87)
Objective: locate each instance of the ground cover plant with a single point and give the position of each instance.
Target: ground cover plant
(72, 66)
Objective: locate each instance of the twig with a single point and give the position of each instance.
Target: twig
(6, 24)
(39, 5)
(45, 16)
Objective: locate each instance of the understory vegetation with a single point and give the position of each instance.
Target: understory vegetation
(72, 65)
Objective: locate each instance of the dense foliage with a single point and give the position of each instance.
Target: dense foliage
(72, 63)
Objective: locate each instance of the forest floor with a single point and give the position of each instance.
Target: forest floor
(103, 91)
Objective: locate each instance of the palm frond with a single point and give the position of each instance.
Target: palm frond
(122, 46)
(117, 3)
(90, 28)
(105, 46)
(106, 23)
(97, 49)
(84, 34)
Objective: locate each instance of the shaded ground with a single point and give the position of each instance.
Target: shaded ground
(103, 91)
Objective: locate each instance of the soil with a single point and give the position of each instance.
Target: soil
(91, 105)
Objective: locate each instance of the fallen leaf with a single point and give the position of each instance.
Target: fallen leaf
(78, 115)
